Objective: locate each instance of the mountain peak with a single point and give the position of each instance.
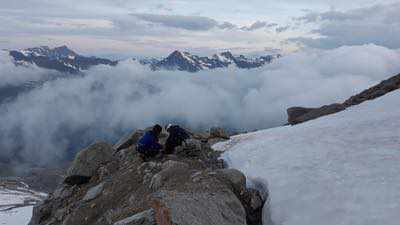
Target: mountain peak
(227, 54)
(176, 52)
(178, 60)
(185, 61)
(64, 51)
(180, 54)
(59, 58)
(64, 59)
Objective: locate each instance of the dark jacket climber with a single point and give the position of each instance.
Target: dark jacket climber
(148, 144)
(177, 136)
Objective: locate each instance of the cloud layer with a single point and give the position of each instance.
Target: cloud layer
(14, 76)
(183, 22)
(45, 123)
(378, 24)
(152, 28)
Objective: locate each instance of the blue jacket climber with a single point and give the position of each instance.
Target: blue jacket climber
(148, 144)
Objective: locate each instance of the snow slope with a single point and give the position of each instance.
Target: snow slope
(342, 169)
(16, 203)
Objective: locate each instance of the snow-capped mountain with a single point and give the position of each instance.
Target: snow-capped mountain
(184, 61)
(64, 59)
(61, 59)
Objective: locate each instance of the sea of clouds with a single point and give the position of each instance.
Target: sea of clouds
(49, 122)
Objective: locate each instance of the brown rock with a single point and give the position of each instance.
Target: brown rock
(218, 132)
(298, 115)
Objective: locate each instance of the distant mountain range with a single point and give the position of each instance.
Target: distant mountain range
(184, 61)
(61, 59)
(65, 60)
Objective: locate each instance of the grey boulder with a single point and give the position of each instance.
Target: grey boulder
(93, 192)
(218, 132)
(128, 140)
(234, 178)
(90, 159)
(144, 218)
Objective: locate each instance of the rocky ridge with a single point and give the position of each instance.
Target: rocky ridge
(61, 59)
(64, 60)
(184, 61)
(112, 185)
(297, 115)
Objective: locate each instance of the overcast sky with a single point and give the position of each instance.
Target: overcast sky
(155, 27)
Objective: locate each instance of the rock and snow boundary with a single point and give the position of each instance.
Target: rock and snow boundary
(340, 169)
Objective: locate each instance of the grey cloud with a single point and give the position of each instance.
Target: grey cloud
(378, 24)
(375, 12)
(194, 23)
(71, 22)
(227, 25)
(14, 76)
(198, 23)
(164, 7)
(258, 25)
(273, 50)
(108, 101)
(282, 29)
(313, 17)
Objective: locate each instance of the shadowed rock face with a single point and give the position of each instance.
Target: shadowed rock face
(90, 159)
(190, 187)
(298, 115)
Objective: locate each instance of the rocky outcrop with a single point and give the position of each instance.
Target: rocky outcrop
(376, 91)
(191, 187)
(128, 140)
(88, 161)
(298, 115)
(144, 218)
(218, 132)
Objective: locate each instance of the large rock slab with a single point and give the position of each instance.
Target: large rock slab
(298, 115)
(169, 169)
(90, 159)
(204, 208)
(295, 112)
(144, 218)
(233, 178)
(128, 140)
(93, 192)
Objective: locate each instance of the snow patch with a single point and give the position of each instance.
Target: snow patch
(19, 216)
(16, 202)
(339, 169)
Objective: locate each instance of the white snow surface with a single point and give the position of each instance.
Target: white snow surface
(342, 169)
(20, 216)
(12, 197)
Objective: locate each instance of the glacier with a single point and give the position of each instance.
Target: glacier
(342, 169)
